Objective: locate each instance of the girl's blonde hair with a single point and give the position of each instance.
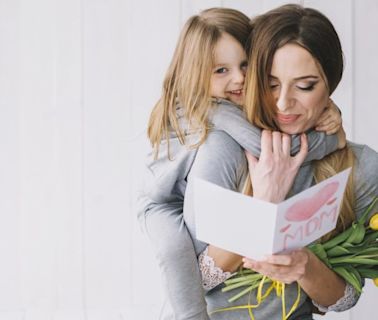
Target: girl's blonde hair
(187, 80)
(313, 31)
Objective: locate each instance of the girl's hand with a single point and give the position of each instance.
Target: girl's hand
(273, 174)
(330, 120)
(286, 268)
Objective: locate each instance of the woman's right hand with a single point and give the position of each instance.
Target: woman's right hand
(273, 174)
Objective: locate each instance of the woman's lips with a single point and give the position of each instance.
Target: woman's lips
(287, 119)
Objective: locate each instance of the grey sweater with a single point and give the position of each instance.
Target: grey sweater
(161, 198)
(221, 160)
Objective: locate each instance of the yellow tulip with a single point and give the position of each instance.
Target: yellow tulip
(376, 281)
(374, 222)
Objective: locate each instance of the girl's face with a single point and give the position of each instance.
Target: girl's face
(228, 73)
(298, 87)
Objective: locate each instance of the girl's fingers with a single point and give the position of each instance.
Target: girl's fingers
(323, 117)
(326, 122)
(328, 128)
(332, 130)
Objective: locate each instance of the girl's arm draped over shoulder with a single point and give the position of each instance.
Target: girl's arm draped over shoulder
(231, 119)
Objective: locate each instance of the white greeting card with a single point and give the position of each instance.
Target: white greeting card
(253, 228)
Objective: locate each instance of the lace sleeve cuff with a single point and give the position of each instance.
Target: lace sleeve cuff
(211, 274)
(346, 302)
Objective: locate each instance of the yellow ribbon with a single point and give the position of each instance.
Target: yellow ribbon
(260, 297)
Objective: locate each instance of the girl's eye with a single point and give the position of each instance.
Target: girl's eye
(221, 70)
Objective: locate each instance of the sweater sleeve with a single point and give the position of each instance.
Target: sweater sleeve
(231, 119)
(366, 190)
(365, 178)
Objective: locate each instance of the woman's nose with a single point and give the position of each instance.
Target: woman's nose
(284, 100)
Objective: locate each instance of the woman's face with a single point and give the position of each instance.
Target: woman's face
(300, 91)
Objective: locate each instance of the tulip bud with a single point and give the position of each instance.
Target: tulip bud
(374, 222)
(375, 281)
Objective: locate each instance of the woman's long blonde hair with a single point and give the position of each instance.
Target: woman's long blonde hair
(187, 80)
(313, 31)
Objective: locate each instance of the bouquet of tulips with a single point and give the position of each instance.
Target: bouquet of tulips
(352, 254)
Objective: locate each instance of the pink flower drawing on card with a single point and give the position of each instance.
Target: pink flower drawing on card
(309, 216)
(304, 209)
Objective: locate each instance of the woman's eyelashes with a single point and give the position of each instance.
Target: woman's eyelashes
(307, 87)
(303, 87)
(273, 86)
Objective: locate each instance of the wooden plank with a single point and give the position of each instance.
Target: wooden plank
(152, 41)
(249, 8)
(9, 162)
(12, 315)
(191, 7)
(270, 4)
(50, 153)
(141, 312)
(366, 70)
(69, 314)
(101, 314)
(37, 313)
(37, 233)
(155, 28)
(68, 128)
(107, 225)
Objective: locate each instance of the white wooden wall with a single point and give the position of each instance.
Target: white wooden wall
(78, 79)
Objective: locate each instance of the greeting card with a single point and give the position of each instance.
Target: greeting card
(254, 228)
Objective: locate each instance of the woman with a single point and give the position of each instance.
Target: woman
(295, 65)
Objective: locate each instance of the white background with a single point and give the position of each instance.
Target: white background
(78, 79)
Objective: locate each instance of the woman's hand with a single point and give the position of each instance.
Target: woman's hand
(286, 268)
(319, 282)
(273, 174)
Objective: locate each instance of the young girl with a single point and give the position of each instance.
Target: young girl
(202, 91)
